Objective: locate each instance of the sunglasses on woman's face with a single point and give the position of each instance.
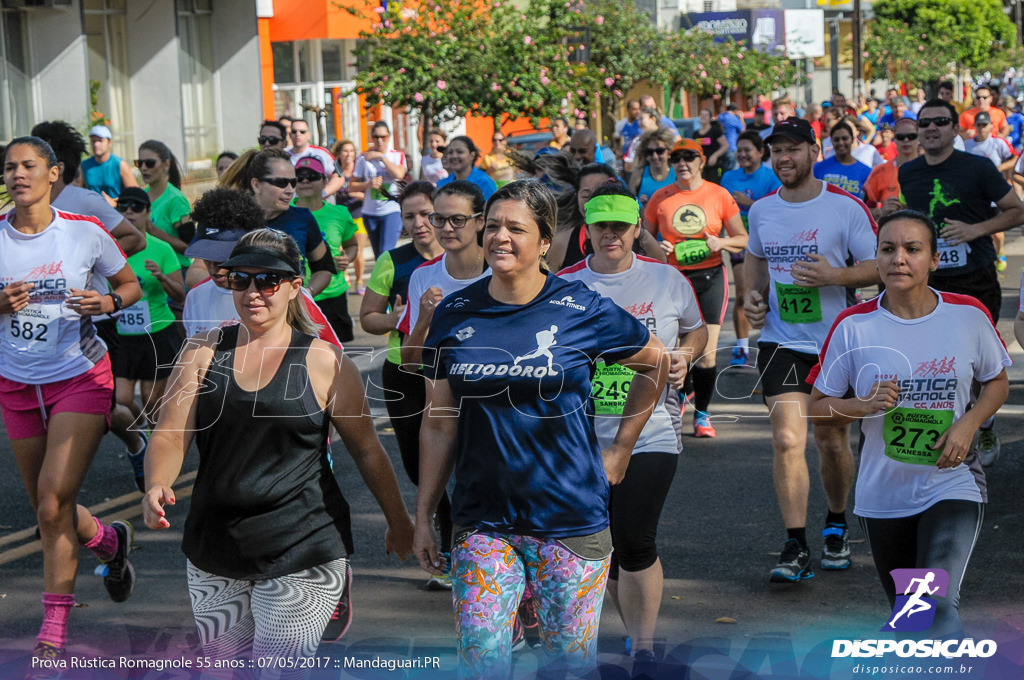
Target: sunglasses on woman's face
(134, 206)
(266, 282)
(281, 182)
(148, 163)
(308, 176)
(652, 152)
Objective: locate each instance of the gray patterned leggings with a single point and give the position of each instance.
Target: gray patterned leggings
(278, 618)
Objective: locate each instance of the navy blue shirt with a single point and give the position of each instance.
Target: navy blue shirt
(527, 457)
(300, 224)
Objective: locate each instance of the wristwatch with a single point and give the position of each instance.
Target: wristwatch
(118, 303)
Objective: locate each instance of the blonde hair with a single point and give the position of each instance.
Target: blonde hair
(272, 239)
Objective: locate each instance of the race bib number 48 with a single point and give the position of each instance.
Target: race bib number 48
(910, 434)
(951, 256)
(798, 304)
(35, 329)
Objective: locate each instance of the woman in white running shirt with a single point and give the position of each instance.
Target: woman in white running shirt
(660, 297)
(910, 355)
(56, 386)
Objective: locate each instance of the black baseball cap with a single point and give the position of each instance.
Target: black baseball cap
(213, 244)
(134, 194)
(259, 258)
(795, 129)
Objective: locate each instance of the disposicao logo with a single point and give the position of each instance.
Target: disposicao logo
(917, 593)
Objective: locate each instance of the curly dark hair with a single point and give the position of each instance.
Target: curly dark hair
(66, 142)
(228, 209)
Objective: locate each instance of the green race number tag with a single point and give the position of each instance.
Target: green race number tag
(798, 304)
(610, 387)
(910, 433)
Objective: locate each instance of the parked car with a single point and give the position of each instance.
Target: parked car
(536, 140)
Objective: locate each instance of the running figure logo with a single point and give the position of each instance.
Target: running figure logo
(939, 199)
(914, 610)
(545, 341)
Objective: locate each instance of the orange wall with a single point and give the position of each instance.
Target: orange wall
(319, 19)
(266, 68)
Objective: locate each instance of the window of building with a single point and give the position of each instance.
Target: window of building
(107, 55)
(14, 78)
(284, 61)
(198, 97)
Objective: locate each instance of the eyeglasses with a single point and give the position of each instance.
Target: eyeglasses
(941, 121)
(381, 136)
(308, 176)
(269, 141)
(437, 220)
(134, 206)
(299, 132)
(688, 156)
(266, 282)
(906, 137)
(148, 163)
(652, 152)
(281, 182)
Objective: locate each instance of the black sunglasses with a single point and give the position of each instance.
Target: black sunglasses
(652, 152)
(266, 282)
(688, 156)
(265, 140)
(941, 121)
(437, 220)
(148, 163)
(906, 137)
(134, 206)
(300, 132)
(281, 182)
(381, 136)
(308, 176)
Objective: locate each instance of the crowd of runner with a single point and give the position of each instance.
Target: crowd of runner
(565, 305)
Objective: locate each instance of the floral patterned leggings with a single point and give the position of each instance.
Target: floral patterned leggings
(489, 575)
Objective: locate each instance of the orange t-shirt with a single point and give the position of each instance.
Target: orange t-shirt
(881, 185)
(686, 215)
(997, 115)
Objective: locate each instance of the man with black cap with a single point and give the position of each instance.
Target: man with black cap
(970, 202)
(801, 238)
(984, 143)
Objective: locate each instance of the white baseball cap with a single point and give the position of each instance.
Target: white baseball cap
(100, 131)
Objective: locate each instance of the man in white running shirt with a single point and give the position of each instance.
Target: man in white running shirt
(801, 238)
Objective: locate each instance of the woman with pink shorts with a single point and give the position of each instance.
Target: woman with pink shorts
(55, 380)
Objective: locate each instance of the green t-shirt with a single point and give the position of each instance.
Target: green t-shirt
(337, 226)
(151, 313)
(167, 211)
(380, 283)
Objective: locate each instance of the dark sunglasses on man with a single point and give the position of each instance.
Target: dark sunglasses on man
(940, 121)
(267, 140)
(687, 156)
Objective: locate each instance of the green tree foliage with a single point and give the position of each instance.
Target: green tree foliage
(927, 40)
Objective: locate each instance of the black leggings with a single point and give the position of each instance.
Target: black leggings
(635, 509)
(406, 397)
(941, 537)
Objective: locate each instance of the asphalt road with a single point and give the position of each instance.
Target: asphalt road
(720, 534)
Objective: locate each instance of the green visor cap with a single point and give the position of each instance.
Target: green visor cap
(610, 208)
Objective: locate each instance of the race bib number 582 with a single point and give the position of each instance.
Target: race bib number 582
(34, 329)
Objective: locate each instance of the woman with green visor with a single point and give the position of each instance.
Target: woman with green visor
(661, 298)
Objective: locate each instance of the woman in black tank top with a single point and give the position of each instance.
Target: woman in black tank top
(267, 517)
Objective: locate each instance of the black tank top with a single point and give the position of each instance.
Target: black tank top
(574, 250)
(265, 502)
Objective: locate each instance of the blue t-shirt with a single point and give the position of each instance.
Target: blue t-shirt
(648, 185)
(527, 458)
(1016, 122)
(890, 118)
(300, 224)
(103, 177)
(755, 185)
(872, 117)
(477, 177)
(733, 126)
(850, 178)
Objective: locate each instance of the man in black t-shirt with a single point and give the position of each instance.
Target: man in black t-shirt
(958, 190)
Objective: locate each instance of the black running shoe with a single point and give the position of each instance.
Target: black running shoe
(836, 553)
(341, 619)
(119, 576)
(46, 662)
(794, 564)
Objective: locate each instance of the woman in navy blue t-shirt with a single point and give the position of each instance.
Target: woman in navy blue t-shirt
(514, 354)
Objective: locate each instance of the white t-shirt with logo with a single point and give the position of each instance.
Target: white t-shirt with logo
(934, 359)
(47, 342)
(660, 297)
(208, 306)
(431, 273)
(374, 203)
(835, 225)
